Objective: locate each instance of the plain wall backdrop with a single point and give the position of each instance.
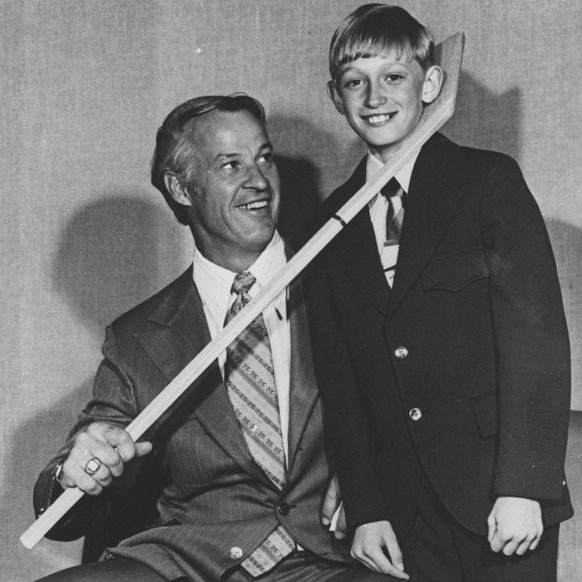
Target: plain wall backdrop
(84, 86)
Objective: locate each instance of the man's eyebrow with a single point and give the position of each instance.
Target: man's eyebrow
(232, 155)
(226, 155)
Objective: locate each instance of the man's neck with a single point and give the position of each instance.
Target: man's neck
(239, 264)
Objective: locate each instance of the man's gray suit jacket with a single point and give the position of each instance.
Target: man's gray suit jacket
(217, 500)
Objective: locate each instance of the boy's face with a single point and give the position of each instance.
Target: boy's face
(382, 99)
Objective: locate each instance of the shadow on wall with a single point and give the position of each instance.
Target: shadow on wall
(567, 244)
(112, 254)
(299, 196)
(115, 253)
(325, 162)
(33, 444)
(485, 119)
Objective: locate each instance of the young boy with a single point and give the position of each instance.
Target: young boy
(439, 336)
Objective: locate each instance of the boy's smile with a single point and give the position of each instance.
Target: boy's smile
(382, 99)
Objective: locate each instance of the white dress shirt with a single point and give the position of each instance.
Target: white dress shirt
(378, 207)
(214, 284)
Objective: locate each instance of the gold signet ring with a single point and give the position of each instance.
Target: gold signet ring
(92, 466)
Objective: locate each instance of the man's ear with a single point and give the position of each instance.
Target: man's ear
(177, 189)
(335, 97)
(433, 81)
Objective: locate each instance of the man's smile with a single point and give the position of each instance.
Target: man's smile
(255, 205)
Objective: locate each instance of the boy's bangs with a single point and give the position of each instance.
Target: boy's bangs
(360, 48)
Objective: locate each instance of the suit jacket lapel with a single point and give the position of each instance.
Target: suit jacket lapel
(355, 248)
(430, 205)
(182, 332)
(303, 388)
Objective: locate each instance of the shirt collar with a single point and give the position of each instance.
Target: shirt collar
(209, 275)
(373, 165)
(270, 261)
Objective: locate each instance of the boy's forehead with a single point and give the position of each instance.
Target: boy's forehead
(380, 59)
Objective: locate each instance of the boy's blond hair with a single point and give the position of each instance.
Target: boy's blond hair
(378, 30)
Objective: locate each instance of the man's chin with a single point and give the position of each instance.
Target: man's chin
(258, 240)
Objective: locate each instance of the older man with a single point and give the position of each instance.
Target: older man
(248, 467)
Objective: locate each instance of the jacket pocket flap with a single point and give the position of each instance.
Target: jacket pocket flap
(456, 271)
(485, 411)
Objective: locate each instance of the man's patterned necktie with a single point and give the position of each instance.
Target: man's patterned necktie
(250, 382)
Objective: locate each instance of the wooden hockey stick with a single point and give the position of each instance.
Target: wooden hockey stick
(450, 54)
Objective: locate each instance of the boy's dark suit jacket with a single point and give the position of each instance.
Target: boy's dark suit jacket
(217, 499)
(462, 371)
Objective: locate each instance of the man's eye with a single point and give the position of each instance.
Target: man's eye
(394, 78)
(231, 165)
(266, 158)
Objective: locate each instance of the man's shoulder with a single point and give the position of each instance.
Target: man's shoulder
(161, 308)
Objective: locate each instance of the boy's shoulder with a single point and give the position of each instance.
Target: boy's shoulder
(464, 166)
(440, 153)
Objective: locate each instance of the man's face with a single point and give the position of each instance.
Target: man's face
(382, 99)
(235, 199)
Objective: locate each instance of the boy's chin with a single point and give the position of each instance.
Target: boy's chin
(383, 148)
(379, 137)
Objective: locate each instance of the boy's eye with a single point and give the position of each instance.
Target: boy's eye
(394, 77)
(352, 83)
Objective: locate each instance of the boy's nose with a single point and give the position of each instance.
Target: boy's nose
(375, 96)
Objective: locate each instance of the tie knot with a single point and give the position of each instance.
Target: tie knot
(392, 188)
(242, 283)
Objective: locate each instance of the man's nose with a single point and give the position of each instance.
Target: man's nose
(255, 178)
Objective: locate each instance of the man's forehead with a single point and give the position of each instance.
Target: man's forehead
(227, 127)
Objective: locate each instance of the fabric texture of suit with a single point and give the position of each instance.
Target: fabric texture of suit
(216, 498)
(462, 370)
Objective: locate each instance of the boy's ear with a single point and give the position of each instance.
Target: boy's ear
(335, 97)
(433, 81)
(176, 189)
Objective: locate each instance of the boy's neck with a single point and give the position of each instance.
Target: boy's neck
(403, 175)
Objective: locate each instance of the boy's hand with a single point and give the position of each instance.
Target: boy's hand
(515, 525)
(375, 545)
(332, 504)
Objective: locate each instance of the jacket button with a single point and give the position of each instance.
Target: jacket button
(284, 508)
(401, 352)
(415, 414)
(235, 553)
